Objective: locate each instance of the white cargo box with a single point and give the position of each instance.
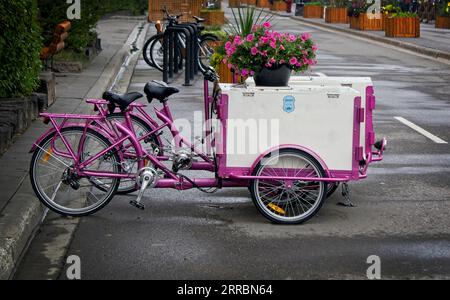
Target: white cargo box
(322, 120)
(363, 85)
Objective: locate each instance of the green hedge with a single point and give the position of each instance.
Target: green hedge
(20, 45)
(82, 33)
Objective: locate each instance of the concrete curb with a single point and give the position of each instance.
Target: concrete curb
(22, 216)
(429, 52)
(123, 79)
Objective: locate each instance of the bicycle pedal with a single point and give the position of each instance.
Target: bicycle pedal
(138, 205)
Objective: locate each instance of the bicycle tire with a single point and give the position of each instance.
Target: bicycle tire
(148, 56)
(54, 207)
(206, 38)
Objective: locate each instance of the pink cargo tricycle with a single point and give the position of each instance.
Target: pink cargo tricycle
(291, 146)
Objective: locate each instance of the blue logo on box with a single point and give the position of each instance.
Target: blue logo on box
(289, 104)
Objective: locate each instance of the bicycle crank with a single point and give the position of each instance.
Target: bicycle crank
(146, 178)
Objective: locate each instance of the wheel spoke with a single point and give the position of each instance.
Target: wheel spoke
(287, 200)
(68, 195)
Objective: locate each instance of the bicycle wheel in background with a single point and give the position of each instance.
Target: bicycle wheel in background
(154, 52)
(146, 52)
(208, 43)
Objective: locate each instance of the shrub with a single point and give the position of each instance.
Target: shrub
(338, 3)
(315, 3)
(20, 45)
(357, 7)
(404, 15)
(82, 33)
(443, 9)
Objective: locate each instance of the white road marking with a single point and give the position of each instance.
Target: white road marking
(421, 130)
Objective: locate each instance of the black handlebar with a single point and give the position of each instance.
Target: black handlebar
(211, 75)
(169, 16)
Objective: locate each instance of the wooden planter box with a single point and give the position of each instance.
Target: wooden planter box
(188, 8)
(406, 27)
(383, 20)
(251, 2)
(279, 6)
(313, 11)
(442, 22)
(263, 3)
(336, 15)
(362, 22)
(213, 17)
(227, 76)
(234, 3)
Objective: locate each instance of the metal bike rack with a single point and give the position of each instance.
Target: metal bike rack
(171, 56)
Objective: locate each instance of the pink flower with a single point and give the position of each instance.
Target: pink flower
(272, 60)
(269, 65)
(230, 66)
(273, 45)
(252, 73)
(314, 48)
(245, 72)
(237, 40)
(224, 60)
(282, 61)
(305, 36)
(250, 38)
(267, 25)
(265, 40)
(264, 53)
(292, 38)
(228, 45)
(254, 51)
(282, 47)
(231, 51)
(293, 61)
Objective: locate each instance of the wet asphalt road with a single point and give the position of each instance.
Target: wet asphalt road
(402, 213)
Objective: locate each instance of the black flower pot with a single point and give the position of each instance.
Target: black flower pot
(278, 76)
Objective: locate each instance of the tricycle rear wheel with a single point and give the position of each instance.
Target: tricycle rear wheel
(288, 201)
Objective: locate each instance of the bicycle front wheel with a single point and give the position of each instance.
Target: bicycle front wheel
(57, 184)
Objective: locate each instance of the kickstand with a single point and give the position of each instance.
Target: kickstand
(346, 193)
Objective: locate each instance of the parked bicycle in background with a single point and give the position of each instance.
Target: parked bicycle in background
(153, 51)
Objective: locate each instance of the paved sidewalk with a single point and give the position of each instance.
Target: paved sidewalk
(20, 211)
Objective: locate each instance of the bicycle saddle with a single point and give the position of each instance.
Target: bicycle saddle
(159, 90)
(198, 19)
(123, 101)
